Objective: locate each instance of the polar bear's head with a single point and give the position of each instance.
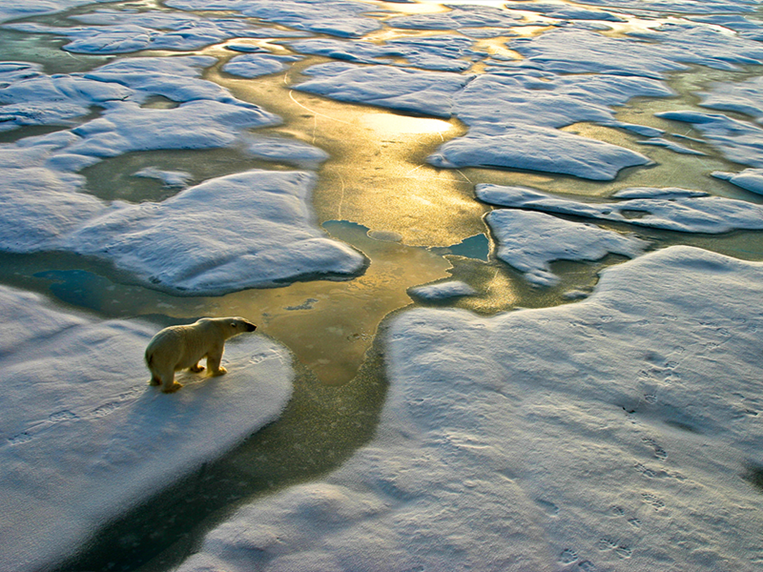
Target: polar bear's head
(239, 325)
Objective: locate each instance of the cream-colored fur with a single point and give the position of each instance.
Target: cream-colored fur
(181, 347)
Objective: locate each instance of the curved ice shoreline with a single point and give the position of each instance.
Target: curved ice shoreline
(592, 434)
(83, 436)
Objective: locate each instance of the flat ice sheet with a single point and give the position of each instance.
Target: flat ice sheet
(679, 210)
(426, 92)
(442, 291)
(240, 231)
(83, 435)
(343, 18)
(530, 241)
(611, 434)
(246, 230)
(538, 149)
(737, 140)
(749, 179)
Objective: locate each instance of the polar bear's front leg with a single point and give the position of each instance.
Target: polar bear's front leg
(213, 363)
(196, 368)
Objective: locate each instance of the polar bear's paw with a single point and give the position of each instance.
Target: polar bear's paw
(172, 388)
(196, 368)
(220, 371)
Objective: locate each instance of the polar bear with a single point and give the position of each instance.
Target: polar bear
(180, 347)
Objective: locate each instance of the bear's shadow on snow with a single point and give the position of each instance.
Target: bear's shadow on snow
(754, 475)
(330, 424)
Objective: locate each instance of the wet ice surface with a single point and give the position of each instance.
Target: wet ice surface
(611, 434)
(83, 435)
(572, 432)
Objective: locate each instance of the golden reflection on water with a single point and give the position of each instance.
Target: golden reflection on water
(330, 325)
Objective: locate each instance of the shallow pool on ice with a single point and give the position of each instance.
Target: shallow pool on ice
(603, 435)
(83, 437)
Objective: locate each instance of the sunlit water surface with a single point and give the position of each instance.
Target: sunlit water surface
(376, 193)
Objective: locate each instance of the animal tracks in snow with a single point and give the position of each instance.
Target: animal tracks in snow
(67, 416)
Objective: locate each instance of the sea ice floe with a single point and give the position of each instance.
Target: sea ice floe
(84, 438)
(125, 31)
(704, 45)
(538, 149)
(503, 100)
(672, 145)
(40, 205)
(562, 11)
(530, 241)
(31, 97)
(738, 141)
(749, 179)
(650, 53)
(168, 178)
(34, 98)
(198, 124)
(593, 53)
(426, 92)
(587, 436)
(680, 6)
(669, 209)
(245, 230)
(343, 18)
(255, 65)
(442, 291)
(743, 97)
(28, 8)
(285, 150)
(440, 53)
(510, 116)
(474, 16)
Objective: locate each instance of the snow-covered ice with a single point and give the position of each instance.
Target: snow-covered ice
(458, 18)
(610, 434)
(343, 18)
(680, 6)
(743, 97)
(426, 92)
(538, 149)
(562, 11)
(749, 179)
(126, 31)
(441, 53)
(442, 291)
(271, 234)
(84, 436)
(255, 65)
(739, 141)
(230, 233)
(529, 241)
(168, 178)
(670, 209)
(512, 118)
